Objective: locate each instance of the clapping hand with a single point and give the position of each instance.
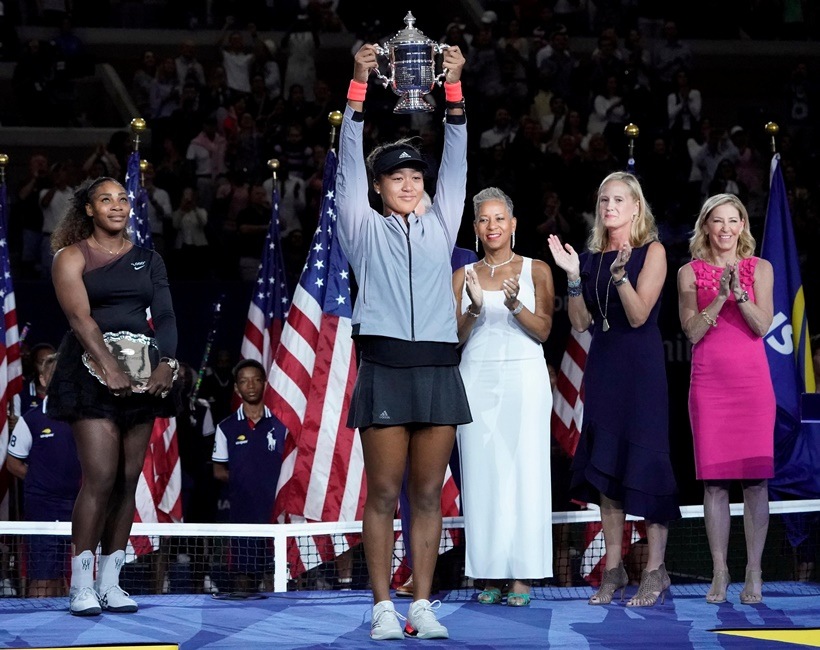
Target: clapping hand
(618, 267)
(726, 282)
(565, 257)
(734, 280)
(474, 291)
(510, 288)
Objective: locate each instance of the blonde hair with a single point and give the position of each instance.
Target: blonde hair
(643, 230)
(699, 243)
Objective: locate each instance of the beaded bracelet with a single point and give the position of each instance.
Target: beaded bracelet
(574, 288)
(705, 315)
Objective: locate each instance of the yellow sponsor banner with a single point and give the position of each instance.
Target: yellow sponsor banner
(806, 637)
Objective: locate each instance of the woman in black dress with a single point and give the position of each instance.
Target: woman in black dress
(104, 283)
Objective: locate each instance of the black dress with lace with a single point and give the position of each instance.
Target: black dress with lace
(119, 293)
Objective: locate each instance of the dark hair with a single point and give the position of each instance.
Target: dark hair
(76, 224)
(248, 363)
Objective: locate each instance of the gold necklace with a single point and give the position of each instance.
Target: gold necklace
(605, 309)
(110, 252)
(493, 267)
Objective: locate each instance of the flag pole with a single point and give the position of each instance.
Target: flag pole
(273, 165)
(138, 127)
(4, 160)
(632, 132)
(335, 118)
(772, 129)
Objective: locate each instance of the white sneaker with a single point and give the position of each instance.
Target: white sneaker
(385, 623)
(209, 586)
(84, 602)
(115, 599)
(422, 622)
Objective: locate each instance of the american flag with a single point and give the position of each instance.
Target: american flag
(310, 387)
(11, 370)
(138, 225)
(159, 489)
(271, 299)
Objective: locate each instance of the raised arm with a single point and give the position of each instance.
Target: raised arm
(67, 273)
(353, 208)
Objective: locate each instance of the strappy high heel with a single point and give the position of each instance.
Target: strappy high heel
(653, 586)
(748, 596)
(613, 580)
(720, 583)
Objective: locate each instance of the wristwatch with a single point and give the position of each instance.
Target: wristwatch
(173, 364)
(743, 298)
(624, 278)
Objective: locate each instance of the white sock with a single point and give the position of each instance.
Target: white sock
(82, 570)
(109, 574)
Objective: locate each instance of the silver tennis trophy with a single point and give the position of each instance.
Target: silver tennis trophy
(411, 57)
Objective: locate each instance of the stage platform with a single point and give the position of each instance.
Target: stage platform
(557, 618)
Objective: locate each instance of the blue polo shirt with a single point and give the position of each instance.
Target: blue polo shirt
(53, 477)
(253, 453)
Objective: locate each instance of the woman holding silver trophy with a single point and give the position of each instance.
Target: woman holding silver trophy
(113, 374)
(409, 396)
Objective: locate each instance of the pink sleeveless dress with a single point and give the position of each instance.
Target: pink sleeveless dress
(731, 397)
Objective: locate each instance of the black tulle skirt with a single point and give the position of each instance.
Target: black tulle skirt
(75, 394)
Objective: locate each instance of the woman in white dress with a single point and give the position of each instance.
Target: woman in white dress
(504, 311)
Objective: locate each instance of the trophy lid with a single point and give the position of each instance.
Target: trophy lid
(409, 35)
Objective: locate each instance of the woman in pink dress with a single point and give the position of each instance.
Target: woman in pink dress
(726, 306)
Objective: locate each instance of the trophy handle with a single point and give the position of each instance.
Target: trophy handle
(384, 81)
(439, 48)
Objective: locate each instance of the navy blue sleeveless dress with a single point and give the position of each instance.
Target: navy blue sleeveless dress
(623, 451)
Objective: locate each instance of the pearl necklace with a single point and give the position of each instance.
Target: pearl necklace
(110, 252)
(493, 267)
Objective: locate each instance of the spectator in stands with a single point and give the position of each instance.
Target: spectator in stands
(189, 70)
(218, 384)
(395, 430)
(560, 66)
(32, 78)
(317, 128)
(217, 94)
(95, 284)
(295, 151)
(671, 55)
(718, 147)
(508, 441)
(292, 200)
(248, 148)
(142, 82)
(186, 120)
(165, 98)
(252, 227)
(54, 202)
(190, 222)
(622, 460)
(726, 307)
(609, 113)
(236, 60)
(106, 163)
(750, 168)
(247, 456)
(158, 207)
(267, 65)
(683, 107)
(725, 181)
(607, 62)
(299, 45)
(207, 154)
(174, 171)
(259, 103)
(43, 455)
(483, 71)
(501, 132)
(29, 215)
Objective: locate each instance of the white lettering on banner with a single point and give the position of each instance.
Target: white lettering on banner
(780, 322)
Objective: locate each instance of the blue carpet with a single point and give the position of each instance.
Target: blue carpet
(557, 618)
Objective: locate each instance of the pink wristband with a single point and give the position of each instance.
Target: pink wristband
(356, 91)
(452, 92)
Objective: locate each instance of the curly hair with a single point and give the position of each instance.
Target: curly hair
(699, 242)
(76, 224)
(643, 229)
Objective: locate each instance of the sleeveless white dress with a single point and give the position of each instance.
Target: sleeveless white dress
(505, 451)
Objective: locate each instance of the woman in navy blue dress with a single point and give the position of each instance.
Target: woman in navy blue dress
(622, 461)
